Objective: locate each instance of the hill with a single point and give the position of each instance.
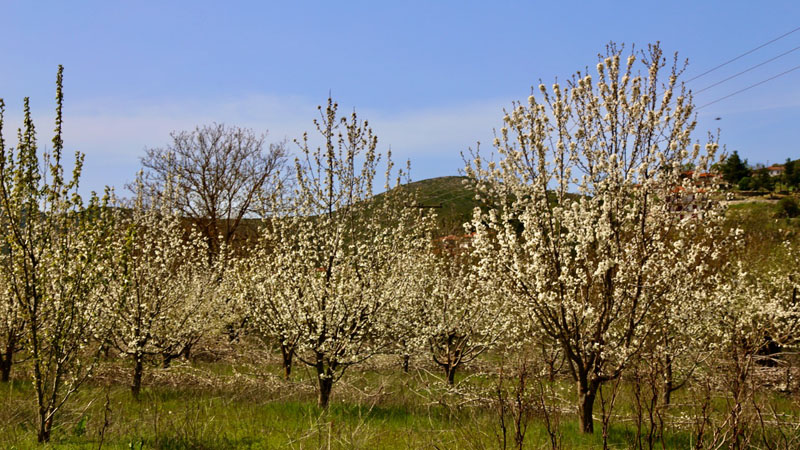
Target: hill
(453, 202)
(450, 197)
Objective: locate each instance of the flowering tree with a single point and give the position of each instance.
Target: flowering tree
(453, 314)
(589, 212)
(677, 350)
(199, 313)
(12, 323)
(262, 297)
(328, 253)
(755, 306)
(54, 257)
(161, 293)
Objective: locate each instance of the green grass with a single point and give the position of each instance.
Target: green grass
(185, 417)
(219, 405)
(760, 216)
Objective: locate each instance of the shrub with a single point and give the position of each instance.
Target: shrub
(745, 184)
(788, 208)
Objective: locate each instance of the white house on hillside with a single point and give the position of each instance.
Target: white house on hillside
(775, 170)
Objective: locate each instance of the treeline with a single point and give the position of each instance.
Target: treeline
(740, 175)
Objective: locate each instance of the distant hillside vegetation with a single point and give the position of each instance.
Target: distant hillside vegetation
(453, 203)
(449, 197)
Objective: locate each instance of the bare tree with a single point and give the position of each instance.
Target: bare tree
(220, 172)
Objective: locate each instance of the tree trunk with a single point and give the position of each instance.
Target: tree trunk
(5, 371)
(5, 362)
(406, 359)
(287, 352)
(325, 387)
(137, 376)
(45, 426)
(587, 391)
(669, 382)
(325, 371)
(186, 352)
(167, 359)
(450, 372)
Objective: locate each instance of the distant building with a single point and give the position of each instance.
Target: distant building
(687, 203)
(775, 170)
(707, 179)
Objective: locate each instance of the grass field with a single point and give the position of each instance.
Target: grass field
(221, 405)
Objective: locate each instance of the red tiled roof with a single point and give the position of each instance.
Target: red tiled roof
(677, 189)
(690, 173)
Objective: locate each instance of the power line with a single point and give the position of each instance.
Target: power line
(742, 55)
(749, 87)
(746, 70)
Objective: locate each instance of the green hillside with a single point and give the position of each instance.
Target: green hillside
(453, 202)
(449, 197)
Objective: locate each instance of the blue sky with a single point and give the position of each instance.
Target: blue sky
(432, 77)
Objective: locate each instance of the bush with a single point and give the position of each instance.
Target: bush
(788, 208)
(745, 184)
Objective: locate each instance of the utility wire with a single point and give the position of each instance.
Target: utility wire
(746, 70)
(749, 87)
(743, 54)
